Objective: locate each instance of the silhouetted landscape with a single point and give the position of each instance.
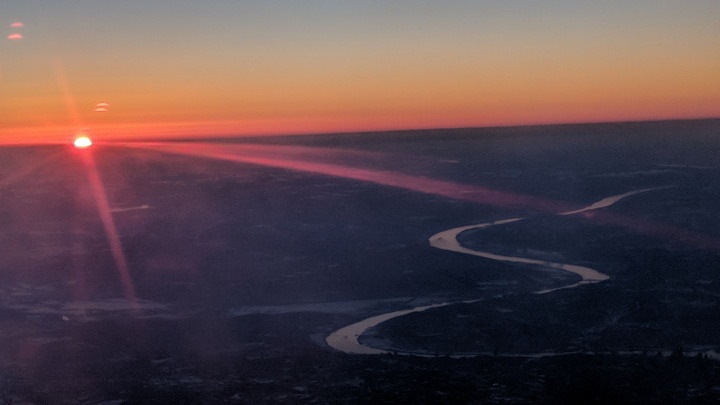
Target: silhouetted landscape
(241, 264)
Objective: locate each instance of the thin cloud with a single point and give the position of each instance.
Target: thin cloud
(101, 107)
(15, 36)
(17, 24)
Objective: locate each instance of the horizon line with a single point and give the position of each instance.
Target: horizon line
(66, 139)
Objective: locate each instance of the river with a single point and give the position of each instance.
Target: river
(346, 339)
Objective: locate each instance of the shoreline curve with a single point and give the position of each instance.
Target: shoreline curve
(346, 339)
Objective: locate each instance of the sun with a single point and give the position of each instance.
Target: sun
(82, 142)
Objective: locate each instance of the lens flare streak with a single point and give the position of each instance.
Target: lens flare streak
(106, 217)
(263, 155)
(26, 171)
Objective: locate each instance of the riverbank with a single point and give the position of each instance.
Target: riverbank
(346, 339)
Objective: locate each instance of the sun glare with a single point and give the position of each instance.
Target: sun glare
(82, 142)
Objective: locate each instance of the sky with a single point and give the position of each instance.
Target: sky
(139, 68)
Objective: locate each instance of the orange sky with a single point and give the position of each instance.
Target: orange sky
(231, 67)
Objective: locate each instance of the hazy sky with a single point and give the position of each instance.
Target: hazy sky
(231, 66)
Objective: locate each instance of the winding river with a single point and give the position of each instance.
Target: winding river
(346, 339)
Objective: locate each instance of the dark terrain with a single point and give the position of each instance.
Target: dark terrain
(241, 271)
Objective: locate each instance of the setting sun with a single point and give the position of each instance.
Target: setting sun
(82, 142)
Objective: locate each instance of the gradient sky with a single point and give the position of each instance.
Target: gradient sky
(188, 67)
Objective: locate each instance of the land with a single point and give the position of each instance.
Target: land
(241, 270)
